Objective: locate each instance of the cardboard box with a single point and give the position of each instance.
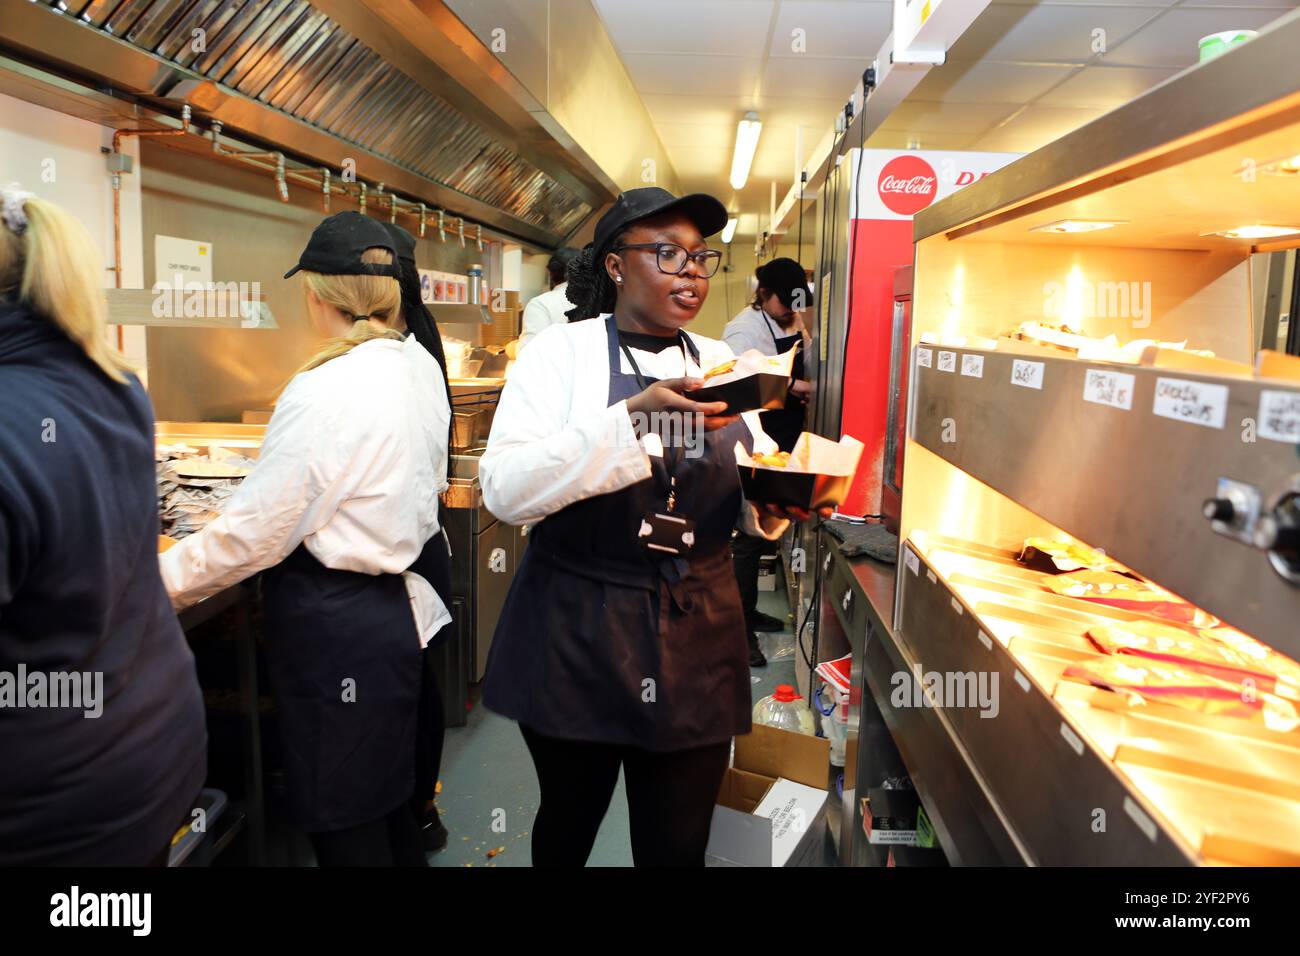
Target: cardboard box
(767, 573)
(771, 807)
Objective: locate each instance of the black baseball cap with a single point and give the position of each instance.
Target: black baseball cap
(707, 213)
(785, 277)
(403, 241)
(337, 244)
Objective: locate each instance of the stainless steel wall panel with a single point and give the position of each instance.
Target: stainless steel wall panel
(215, 374)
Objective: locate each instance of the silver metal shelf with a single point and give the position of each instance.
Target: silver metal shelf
(1135, 139)
(1130, 482)
(1047, 791)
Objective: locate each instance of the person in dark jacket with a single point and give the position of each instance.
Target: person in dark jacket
(101, 718)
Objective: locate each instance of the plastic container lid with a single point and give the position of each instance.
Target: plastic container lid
(785, 693)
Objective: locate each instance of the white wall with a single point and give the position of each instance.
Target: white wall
(59, 158)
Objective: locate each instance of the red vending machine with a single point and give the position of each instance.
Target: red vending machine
(887, 188)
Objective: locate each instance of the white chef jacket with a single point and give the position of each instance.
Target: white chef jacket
(543, 311)
(556, 439)
(753, 328)
(352, 464)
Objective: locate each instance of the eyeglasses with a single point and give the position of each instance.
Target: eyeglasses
(672, 258)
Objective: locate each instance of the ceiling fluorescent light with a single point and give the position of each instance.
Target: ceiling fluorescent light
(1079, 225)
(729, 230)
(746, 143)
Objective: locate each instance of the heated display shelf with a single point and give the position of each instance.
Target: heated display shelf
(1091, 447)
(1181, 462)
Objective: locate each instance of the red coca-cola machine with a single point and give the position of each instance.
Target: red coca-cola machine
(887, 188)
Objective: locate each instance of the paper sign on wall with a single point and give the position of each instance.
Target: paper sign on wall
(181, 261)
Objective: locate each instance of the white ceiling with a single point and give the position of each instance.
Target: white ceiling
(1024, 74)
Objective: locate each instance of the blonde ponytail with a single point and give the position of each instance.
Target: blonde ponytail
(53, 267)
(372, 297)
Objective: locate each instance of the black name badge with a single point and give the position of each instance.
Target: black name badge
(667, 533)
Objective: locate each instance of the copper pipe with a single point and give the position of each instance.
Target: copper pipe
(250, 156)
(117, 190)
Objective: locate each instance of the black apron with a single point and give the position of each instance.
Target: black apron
(598, 641)
(784, 425)
(347, 761)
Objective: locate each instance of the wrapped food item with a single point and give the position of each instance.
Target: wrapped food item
(1056, 557)
(193, 488)
(1197, 650)
(817, 474)
(1186, 688)
(722, 369)
(749, 381)
(1120, 590)
(1062, 337)
(1259, 657)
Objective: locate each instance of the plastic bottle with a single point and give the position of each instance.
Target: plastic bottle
(784, 710)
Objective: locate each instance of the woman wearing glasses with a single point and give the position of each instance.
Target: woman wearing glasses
(622, 641)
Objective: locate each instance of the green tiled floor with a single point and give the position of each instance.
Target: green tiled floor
(489, 790)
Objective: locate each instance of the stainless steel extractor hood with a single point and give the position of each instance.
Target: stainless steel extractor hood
(290, 75)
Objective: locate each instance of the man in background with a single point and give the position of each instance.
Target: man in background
(772, 324)
(549, 308)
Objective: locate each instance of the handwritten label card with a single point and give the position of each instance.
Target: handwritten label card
(1196, 402)
(1027, 374)
(1108, 388)
(1279, 416)
(947, 361)
(972, 366)
(923, 357)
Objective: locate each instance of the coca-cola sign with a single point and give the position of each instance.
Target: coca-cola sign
(907, 185)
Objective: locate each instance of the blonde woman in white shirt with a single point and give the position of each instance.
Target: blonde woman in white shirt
(341, 511)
